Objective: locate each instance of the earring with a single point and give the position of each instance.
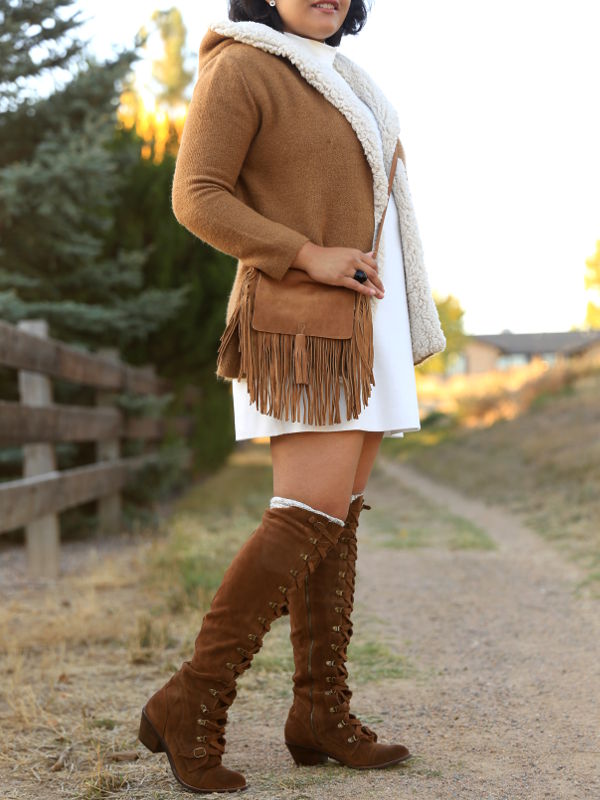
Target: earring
(271, 2)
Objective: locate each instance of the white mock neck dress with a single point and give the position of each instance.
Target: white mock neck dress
(393, 405)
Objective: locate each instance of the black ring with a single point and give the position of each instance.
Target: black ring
(360, 275)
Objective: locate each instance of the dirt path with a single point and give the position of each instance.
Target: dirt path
(504, 702)
(512, 707)
(472, 645)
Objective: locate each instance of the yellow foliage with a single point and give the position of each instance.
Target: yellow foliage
(160, 129)
(592, 285)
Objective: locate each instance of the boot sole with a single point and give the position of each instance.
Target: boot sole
(150, 738)
(307, 757)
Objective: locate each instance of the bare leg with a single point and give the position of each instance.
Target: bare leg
(368, 454)
(317, 468)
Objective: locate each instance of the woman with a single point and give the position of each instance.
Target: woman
(284, 163)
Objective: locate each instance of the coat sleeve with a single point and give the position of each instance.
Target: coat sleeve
(222, 119)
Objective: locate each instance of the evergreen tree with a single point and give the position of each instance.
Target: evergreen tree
(60, 172)
(184, 348)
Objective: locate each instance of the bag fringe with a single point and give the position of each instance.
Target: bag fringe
(290, 372)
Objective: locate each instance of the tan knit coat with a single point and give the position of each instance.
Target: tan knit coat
(274, 153)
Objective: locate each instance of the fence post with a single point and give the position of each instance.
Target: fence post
(109, 506)
(42, 536)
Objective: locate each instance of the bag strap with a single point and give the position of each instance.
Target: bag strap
(390, 183)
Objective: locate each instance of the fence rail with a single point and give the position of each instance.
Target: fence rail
(37, 424)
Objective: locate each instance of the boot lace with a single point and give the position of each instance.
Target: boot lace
(210, 740)
(344, 594)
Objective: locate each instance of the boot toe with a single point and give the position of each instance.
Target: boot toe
(388, 754)
(220, 779)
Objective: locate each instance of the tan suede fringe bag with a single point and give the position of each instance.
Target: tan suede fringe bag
(286, 361)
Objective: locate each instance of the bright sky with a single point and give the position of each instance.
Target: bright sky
(500, 120)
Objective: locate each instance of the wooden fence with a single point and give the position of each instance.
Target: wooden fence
(37, 424)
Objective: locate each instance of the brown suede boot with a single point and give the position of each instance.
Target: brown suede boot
(319, 723)
(186, 717)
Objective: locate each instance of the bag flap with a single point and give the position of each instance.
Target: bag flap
(299, 304)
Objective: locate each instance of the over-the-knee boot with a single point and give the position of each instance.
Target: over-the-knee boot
(319, 724)
(186, 717)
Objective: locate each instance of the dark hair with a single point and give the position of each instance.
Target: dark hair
(260, 11)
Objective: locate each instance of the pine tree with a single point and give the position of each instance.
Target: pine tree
(60, 172)
(184, 349)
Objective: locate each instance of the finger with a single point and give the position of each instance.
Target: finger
(378, 291)
(373, 276)
(361, 288)
(371, 261)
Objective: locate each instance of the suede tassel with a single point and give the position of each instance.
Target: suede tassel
(300, 359)
(299, 376)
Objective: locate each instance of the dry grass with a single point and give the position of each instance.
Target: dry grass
(543, 464)
(481, 399)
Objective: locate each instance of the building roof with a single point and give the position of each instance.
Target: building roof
(568, 342)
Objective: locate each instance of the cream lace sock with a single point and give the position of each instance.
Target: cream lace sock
(284, 502)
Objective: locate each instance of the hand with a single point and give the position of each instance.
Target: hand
(337, 265)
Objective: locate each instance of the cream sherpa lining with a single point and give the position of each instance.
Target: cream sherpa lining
(426, 331)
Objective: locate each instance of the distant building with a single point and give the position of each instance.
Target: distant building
(500, 351)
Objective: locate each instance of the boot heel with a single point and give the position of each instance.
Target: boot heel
(304, 757)
(148, 736)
